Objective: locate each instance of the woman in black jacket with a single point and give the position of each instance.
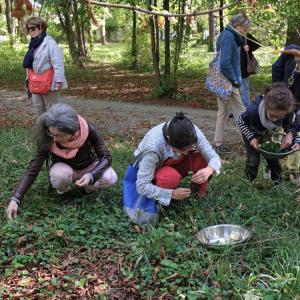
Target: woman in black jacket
(287, 69)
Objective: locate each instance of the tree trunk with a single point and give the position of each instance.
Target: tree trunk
(221, 16)
(79, 32)
(211, 29)
(64, 13)
(9, 22)
(103, 31)
(166, 6)
(134, 50)
(22, 33)
(178, 43)
(155, 45)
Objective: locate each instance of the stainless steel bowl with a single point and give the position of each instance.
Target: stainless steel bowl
(223, 235)
(273, 155)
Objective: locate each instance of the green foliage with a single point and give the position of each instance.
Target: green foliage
(165, 259)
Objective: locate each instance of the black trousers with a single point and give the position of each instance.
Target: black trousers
(252, 164)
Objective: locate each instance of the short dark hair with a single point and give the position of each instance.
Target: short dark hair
(180, 131)
(38, 22)
(279, 97)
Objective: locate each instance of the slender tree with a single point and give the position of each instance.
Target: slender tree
(9, 21)
(155, 44)
(167, 71)
(134, 49)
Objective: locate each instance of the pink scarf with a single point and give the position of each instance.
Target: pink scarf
(72, 146)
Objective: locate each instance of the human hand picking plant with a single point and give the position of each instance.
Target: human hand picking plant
(85, 180)
(287, 141)
(202, 175)
(254, 143)
(12, 209)
(181, 193)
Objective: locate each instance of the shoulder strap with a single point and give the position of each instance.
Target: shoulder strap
(137, 159)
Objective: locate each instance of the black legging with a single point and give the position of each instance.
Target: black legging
(252, 164)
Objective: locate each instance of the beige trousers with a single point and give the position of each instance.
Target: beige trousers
(62, 175)
(232, 104)
(42, 102)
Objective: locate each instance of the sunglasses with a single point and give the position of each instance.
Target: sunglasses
(31, 28)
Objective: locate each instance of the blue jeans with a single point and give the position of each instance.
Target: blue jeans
(245, 91)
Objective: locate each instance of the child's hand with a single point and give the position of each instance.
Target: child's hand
(254, 143)
(287, 141)
(295, 147)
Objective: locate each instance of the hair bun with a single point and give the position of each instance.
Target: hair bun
(180, 115)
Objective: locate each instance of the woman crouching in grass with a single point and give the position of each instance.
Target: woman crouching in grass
(166, 155)
(272, 111)
(77, 151)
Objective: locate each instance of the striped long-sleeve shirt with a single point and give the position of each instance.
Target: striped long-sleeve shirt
(251, 126)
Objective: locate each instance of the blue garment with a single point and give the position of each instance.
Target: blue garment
(230, 42)
(245, 91)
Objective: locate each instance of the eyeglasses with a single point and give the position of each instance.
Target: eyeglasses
(31, 28)
(57, 135)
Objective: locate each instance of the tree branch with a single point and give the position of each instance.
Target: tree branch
(156, 13)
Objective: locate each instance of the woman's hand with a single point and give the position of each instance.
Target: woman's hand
(202, 175)
(254, 143)
(287, 141)
(12, 209)
(181, 193)
(85, 180)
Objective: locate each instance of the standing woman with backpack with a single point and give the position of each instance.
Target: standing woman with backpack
(44, 64)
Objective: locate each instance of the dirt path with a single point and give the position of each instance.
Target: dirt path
(113, 117)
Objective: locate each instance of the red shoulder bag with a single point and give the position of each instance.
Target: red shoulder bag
(40, 83)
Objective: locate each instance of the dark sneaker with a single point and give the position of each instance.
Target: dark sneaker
(230, 116)
(222, 149)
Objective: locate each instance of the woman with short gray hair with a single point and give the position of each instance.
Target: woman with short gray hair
(78, 155)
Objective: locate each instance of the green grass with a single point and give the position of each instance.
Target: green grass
(47, 231)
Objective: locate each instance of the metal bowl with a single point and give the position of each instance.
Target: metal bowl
(273, 155)
(223, 235)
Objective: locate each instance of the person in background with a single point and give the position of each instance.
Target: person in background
(272, 111)
(249, 46)
(229, 44)
(43, 53)
(287, 69)
(77, 151)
